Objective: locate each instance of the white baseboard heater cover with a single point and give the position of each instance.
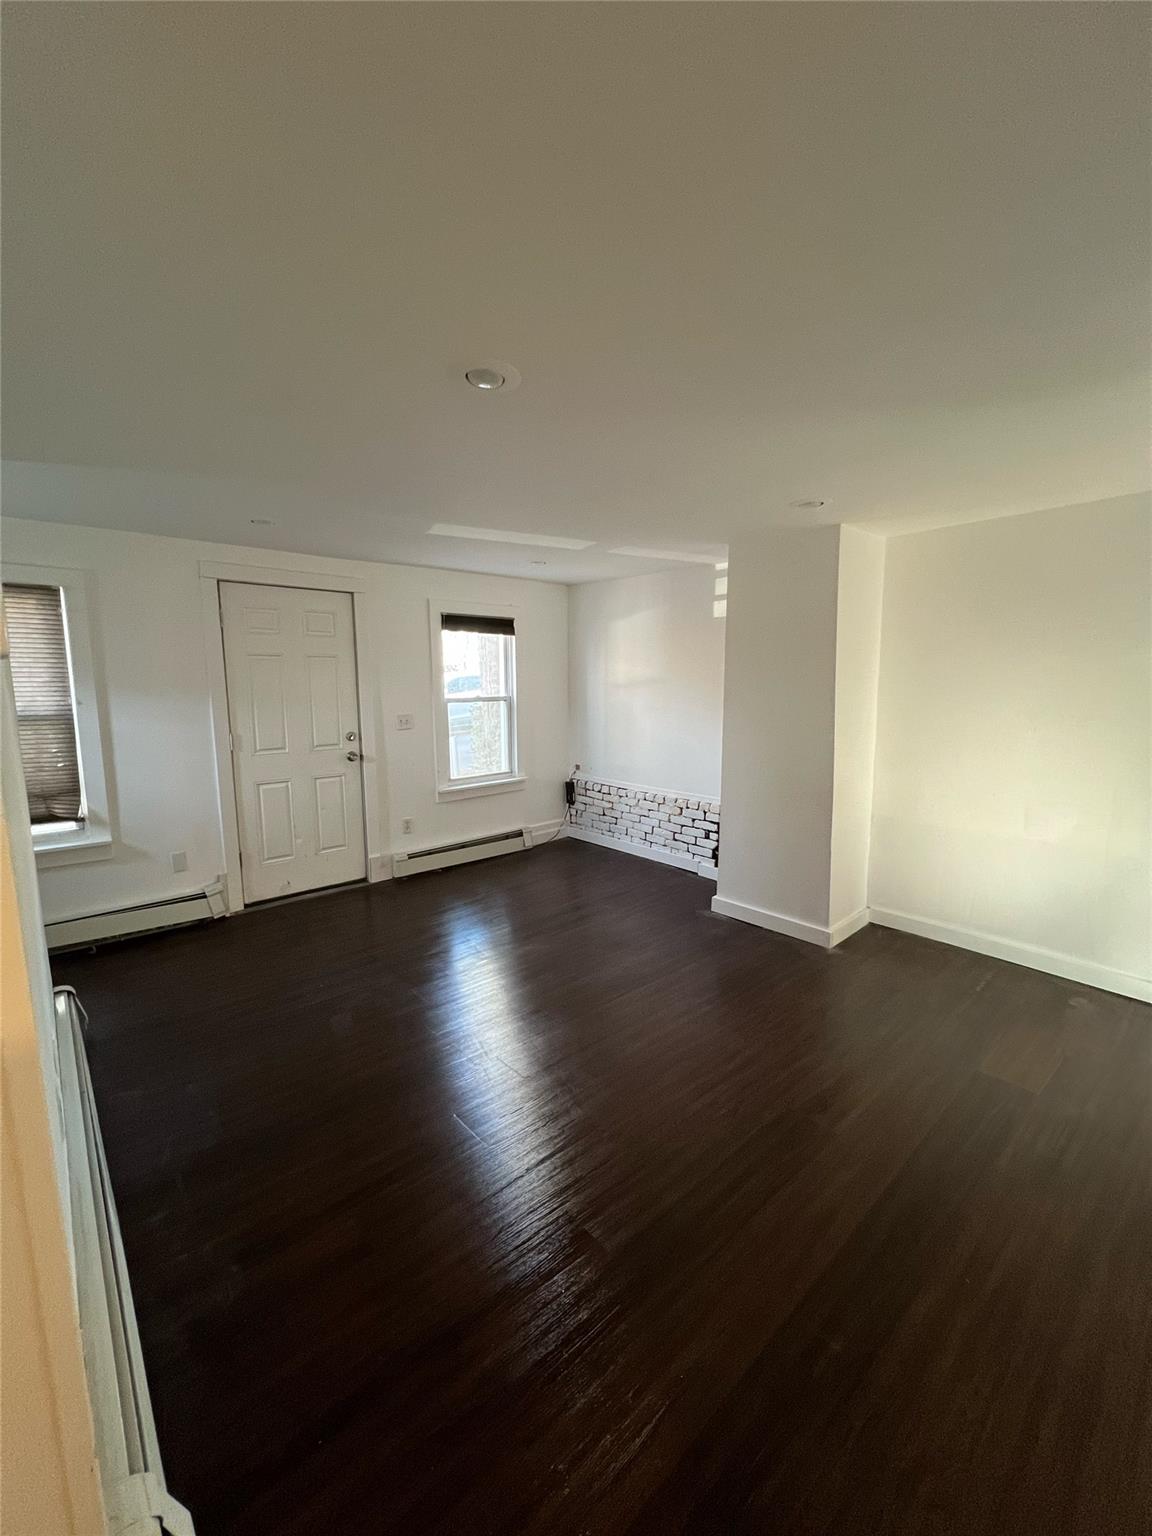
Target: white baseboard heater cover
(459, 853)
(144, 919)
(136, 1499)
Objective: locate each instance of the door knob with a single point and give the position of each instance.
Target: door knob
(353, 757)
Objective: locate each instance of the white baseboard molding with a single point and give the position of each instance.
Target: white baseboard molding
(122, 922)
(1087, 972)
(791, 927)
(658, 855)
(847, 926)
(546, 831)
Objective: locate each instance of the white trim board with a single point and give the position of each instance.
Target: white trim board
(273, 576)
(700, 867)
(847, 926)
(541, 833)
(1087, 972)
(791, 927)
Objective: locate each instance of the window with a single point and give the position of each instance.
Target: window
(477, 729)
(45, 713)
(45, 615)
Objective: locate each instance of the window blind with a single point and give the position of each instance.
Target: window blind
(46, 723)
(477, 624)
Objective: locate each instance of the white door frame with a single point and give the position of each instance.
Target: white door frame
(212, 573)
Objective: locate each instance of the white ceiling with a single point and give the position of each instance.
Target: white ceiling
(891, 256)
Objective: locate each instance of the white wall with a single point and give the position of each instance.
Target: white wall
(150, 657)
(779, 725)
(647, 681)
(858, 608)
(799, 729)
(1013, 763)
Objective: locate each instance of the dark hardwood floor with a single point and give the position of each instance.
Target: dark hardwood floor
(531, 1198)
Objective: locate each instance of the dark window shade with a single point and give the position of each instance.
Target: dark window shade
(45, 719)
(477, 624)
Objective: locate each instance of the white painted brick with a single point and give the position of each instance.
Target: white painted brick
(677, 822)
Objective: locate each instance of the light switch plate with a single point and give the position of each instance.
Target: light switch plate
(405, 722)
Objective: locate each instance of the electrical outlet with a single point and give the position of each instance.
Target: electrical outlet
(407, 825)
(405, 722)
(179, 862)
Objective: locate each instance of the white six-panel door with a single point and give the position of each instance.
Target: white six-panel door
(290, 658)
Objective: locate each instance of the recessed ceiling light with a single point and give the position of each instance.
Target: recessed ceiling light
(808, 505)
(492, 376)
(665, 554)
(502, 536)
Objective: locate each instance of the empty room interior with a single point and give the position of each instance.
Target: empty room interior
(577, 769)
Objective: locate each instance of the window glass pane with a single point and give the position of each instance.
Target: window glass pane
(478, 739)
(474, 664)
(45, 718)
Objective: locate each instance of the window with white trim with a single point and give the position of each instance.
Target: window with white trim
(45, 709)
(477, 727)
(53, 687)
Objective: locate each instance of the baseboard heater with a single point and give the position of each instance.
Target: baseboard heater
(126, 921)
(136, 1497)
(459, 853)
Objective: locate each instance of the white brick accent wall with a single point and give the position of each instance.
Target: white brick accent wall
(654, 818)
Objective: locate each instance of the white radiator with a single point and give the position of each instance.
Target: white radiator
(459, 853)
(144, 919)
(135, 1496)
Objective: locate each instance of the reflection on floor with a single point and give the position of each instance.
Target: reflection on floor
(532, 1199)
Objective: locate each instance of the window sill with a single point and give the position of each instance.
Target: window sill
(481, 787)
(73, 847)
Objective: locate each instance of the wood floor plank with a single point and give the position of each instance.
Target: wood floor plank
(534, 1198)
